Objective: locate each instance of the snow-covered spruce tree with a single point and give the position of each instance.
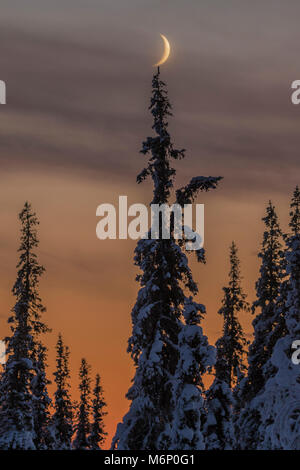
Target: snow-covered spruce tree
(98, 434)
(269, 321)
(279, 404)
(81, 441)
(195, 355)
(61, 427)
(41, 399)
(17, 402)
(269, 326)
(157, 314)
(218, 427)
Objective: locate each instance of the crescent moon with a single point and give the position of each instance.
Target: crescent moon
(166, 51)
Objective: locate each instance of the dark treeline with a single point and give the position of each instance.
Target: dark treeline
(29, 418)
(254, 398)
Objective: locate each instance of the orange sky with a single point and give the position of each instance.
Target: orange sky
(89, 285)
(78, 84)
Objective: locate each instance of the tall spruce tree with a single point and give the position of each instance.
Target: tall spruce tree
(279, 404)
(17, 402)
(61, 427)
(157, 314)
(195, 355)
(269, 320)
(269, 326)
(98, 434)
(81, 441)
(218, 428)
(232, 345)
(230, 364)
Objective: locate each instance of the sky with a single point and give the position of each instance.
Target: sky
(78, 77)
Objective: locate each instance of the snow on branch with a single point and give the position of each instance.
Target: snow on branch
(187, 194)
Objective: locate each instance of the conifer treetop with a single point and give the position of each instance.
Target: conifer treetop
(162, 151)
(232, 345)
(26, 286)
(295, 212)
(160, 147)
(98, 433)
(271, 254)
(81, 440)
(268, 324)
(61, 423)
(292, 267)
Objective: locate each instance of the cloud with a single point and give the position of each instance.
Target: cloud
(77, 102)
